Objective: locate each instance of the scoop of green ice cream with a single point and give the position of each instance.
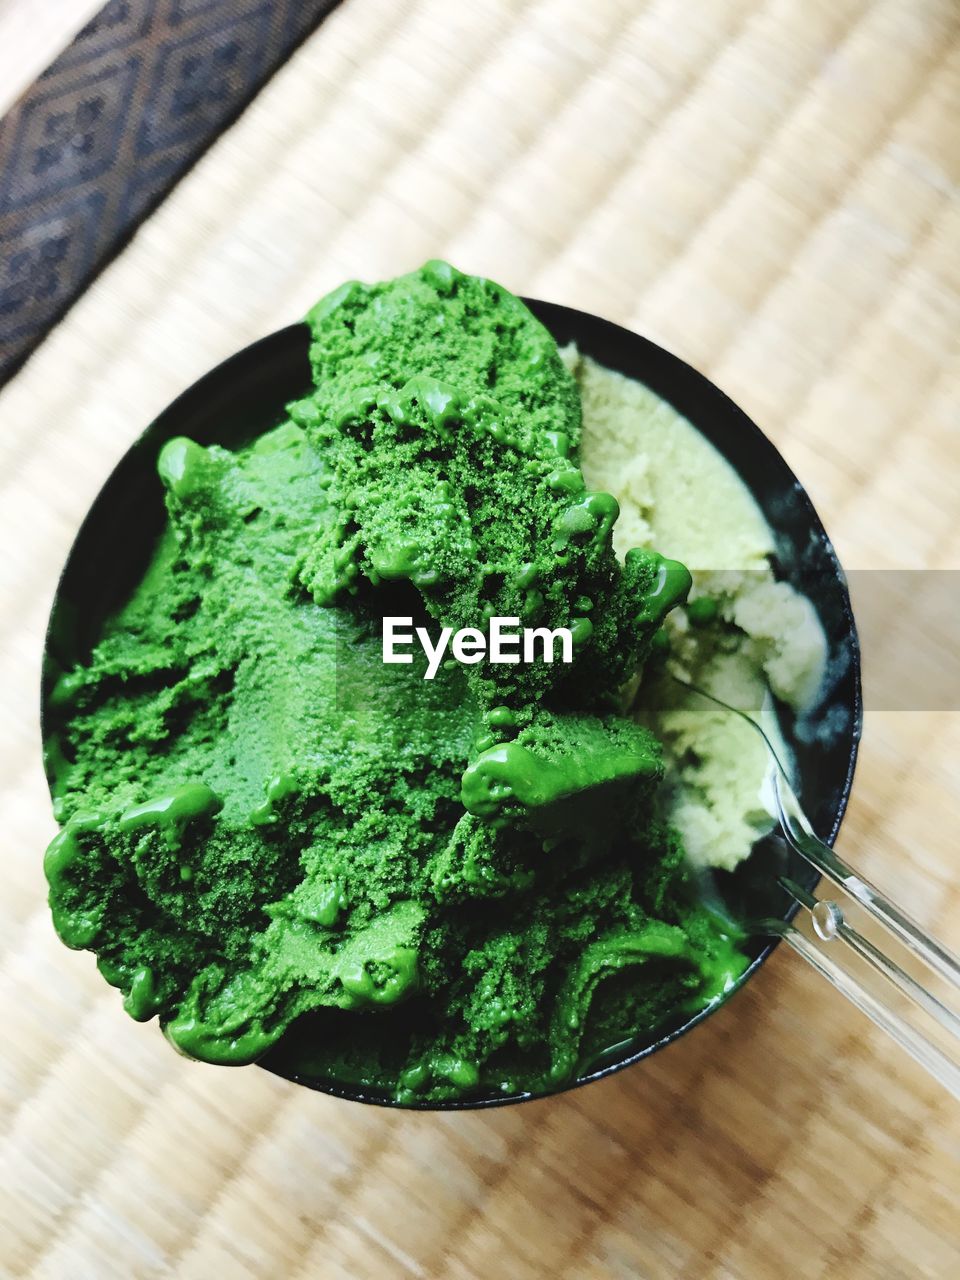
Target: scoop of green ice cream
(452, 429)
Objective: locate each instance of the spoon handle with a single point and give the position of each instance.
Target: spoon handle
(876, 983)
(883, 982)
(830, 924)
(799, 835)
(942, 1064)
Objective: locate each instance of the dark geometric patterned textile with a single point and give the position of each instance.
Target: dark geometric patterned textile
(97, 141)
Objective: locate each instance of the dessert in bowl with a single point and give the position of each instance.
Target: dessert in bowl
(468, 873)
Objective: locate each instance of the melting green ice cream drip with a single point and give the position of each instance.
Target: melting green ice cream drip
(281, 846)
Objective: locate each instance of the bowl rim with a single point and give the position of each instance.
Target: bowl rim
(552, 315)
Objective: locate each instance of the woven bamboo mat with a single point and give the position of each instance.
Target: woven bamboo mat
(769, 189)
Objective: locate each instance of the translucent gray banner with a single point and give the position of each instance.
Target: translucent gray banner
(908, 623)
(909, 626)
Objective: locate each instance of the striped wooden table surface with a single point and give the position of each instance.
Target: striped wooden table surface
(771, 190)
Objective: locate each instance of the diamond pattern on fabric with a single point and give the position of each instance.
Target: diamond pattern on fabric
(110, 127)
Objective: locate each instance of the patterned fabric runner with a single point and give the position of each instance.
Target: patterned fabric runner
(98, 140)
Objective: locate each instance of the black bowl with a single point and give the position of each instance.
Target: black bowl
(246, 395)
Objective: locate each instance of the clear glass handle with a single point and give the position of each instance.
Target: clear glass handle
(800, 837)
(943, 1066)
(921, 981)
(892, 984)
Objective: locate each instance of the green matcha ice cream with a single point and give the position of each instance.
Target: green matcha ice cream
(278, 844)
